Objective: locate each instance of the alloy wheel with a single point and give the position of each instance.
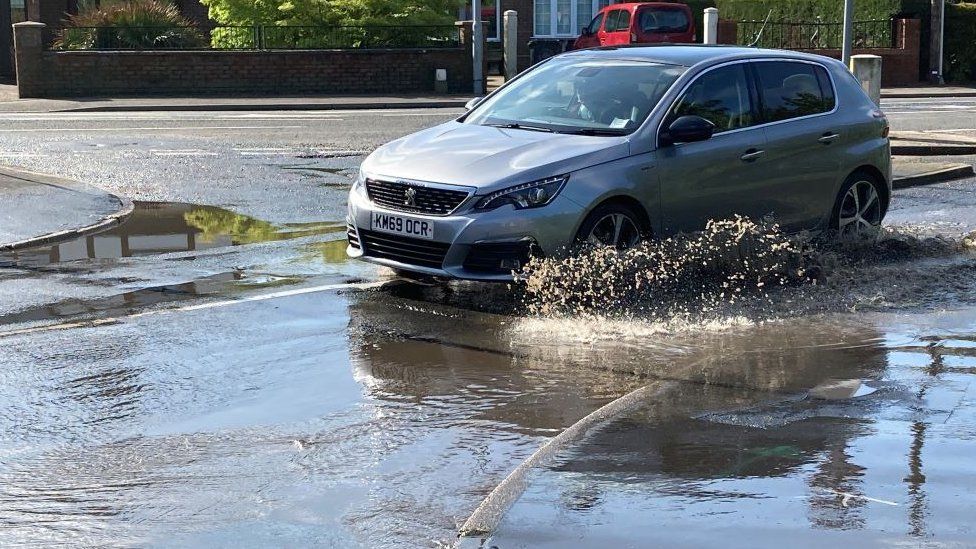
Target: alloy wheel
(860, 210)
(617, 230)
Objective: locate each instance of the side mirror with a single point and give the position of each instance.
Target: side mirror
(585, 31)
(687, 129)
(472, 103)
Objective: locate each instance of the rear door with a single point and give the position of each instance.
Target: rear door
(617, 28)
(724, 175)
(797, 99)
(658, 24)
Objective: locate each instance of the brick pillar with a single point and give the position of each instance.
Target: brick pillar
(466, 33)
(728, 31)
(28, 48)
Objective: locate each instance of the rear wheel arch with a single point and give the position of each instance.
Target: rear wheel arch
(881, 181)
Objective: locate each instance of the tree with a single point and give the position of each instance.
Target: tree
(333, 12)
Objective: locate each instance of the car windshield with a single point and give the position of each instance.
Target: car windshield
(585, 96)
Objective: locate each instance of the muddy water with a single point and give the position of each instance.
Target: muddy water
(382, 418)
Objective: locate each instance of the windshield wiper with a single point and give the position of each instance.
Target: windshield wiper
(517, 126)
(596, 131)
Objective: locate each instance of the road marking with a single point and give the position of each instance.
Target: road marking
(489, 513)
(360, 286)
(181, 152)
(927, 112)
(847, 497)
(148, 128)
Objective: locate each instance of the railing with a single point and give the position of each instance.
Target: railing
(256, 37)
(815, 35)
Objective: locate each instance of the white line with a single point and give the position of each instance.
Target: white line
(142, 129)
(202, 306)
(489, 513)
(847, 496)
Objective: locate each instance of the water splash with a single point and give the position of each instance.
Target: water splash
(738, 271)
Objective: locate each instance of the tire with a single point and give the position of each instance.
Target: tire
(612, 224)
(858, 209)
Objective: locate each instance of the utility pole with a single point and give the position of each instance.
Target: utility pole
(477, 49)
(6, 40)
(848, 32)
(935, 45)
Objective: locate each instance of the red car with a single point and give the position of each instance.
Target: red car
(638, 23)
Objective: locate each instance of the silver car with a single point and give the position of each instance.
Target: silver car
(611, 145)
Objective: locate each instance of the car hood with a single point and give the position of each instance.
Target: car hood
(489, 158)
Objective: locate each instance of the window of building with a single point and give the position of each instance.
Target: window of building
(564, 18)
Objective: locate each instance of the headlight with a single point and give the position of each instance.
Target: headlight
(527, 195)
(359, 186)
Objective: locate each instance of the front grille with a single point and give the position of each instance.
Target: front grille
(488, 258)
(352, 236)
(428, 200)
(412, 251)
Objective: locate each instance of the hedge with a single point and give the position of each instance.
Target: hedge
(830, 10)
(960, 42)
(811, 10)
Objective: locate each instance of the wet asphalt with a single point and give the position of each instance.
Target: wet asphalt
(214, 372)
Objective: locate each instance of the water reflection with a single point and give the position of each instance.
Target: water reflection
(164, 227)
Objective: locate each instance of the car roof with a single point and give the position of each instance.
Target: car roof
(687, 54)
(633, 5)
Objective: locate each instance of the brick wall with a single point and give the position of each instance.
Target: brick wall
(899, 65)
(102, 73)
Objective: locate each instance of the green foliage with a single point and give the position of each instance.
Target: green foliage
(810, 10)
(354, 23)
(333, 12)
(133, 24)
(960, 42)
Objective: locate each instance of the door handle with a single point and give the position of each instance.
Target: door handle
(752, 155)
(828, 138)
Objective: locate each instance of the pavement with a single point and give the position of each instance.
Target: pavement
(36, 209)
(10, 103)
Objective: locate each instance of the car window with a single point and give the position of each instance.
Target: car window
(826, 87)
(600, 96)
(720, 96)
(663, 20)
(790, 90)
(594, 25)
(618, 20)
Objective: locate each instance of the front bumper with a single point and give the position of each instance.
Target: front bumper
(468, 241)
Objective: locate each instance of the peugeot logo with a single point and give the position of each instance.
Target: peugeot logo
(410, 197)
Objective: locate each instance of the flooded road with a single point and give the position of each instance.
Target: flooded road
(198, 377)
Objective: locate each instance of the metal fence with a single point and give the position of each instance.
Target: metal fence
(256, 37)
(817, 35)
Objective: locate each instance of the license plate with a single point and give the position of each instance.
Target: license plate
(396, 224)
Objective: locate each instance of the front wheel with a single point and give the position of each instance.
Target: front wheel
(858, 210)
(616, 225)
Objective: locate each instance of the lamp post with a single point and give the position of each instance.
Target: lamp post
(848, 32)
(477, 49)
